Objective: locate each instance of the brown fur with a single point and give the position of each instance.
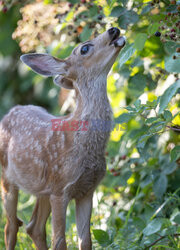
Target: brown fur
(58, 166)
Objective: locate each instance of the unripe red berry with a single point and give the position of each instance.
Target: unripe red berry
(178, 50)
(5, 9)
(169, 14)
(70, 5)
(178, 7)
(83, 1)
(112, 170)
(116, 174)
(123, 157)
(173, 30)
(173, 2)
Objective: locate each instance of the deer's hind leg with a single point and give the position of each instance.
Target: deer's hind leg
(10, 199)
(37, 225)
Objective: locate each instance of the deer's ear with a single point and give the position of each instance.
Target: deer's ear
(64, 82)
(45, 64)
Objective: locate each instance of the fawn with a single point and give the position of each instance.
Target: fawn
(57, 166)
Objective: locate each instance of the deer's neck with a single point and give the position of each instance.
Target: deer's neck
(92, 100)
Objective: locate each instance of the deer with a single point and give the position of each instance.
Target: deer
(58, 165)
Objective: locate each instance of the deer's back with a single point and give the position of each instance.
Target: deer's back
(24, 145)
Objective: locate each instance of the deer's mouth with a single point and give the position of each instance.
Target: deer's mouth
(120, 41)
(114, 33)
(116, 40)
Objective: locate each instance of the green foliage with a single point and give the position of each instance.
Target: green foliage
(137, 206)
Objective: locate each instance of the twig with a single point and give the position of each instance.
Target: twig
(160, 238)
(175, 129)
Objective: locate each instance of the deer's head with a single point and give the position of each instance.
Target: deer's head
(87, 60)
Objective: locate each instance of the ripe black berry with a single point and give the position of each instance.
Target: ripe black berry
(100, 17)
(174, 57)
(158, 34)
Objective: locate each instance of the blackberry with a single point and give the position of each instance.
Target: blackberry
(158, 34)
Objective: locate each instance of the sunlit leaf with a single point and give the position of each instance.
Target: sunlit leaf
(167, 95)
(140, 41)
(153, 227)
(153, 28)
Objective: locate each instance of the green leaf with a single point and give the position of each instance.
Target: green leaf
(146, 9)
(167, 96)
(170, 47)
(153, 227)
(129, 17)
(142, 140)
(118, 11)
(160, 185)
(153, 28)
(169, 168)
(102, 237)
(177, 218)
(137, 83)
(172, 65)
(126, 53)
(175, 153)
(86, 33)
(137, 104)
(124, 118)
(152, 120)
(167, 115)
(140, 41)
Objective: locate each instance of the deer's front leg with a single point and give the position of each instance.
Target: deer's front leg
(59, 207)
(83, 216)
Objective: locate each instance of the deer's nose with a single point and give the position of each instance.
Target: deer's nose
(113, 32)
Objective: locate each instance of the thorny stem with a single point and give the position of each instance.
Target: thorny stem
(160, 238)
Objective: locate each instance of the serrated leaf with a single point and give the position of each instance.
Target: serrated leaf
(153, 28)
(160, 185)
(124, 118)
(127, 18)
(118, 11)
(153, 227)
(102, 237)
(126, 53)
(175, 153)
(140, 41)
(167, 96)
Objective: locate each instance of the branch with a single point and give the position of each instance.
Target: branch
(160, 238)
(175, 129)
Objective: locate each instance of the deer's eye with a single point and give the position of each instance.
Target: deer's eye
(85, 49)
